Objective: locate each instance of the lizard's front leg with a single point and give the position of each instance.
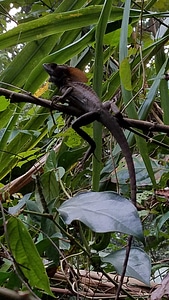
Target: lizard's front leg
(63, 97)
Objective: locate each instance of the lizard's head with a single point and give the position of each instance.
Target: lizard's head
(62, 74)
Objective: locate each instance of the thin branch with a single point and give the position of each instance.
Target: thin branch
(124, 267)
(125, 122)
(145, 125)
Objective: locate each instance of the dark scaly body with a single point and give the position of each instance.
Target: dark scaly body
(82, 97)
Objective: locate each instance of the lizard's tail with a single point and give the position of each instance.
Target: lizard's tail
(112, 124)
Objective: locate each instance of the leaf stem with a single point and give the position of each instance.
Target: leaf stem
(97, 85)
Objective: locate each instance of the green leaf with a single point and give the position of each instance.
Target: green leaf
(33, 206)
(56, 23)
(103, 212)
(3, 103)
(26, 255)
(51, 251)
(50, 185)
(125, 74)
(3, 277)
(73, 139)
(49, 25)
(21, 142)
(51, 162)
(139, 265)
(123, 54)
(70, 157)
(162, 220)
(43, 244)
(113, 37)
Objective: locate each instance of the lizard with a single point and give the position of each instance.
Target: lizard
(81, 100)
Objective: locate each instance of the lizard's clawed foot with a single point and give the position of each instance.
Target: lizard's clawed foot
(55, 99)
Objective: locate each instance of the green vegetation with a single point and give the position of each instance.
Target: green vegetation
(49, 242)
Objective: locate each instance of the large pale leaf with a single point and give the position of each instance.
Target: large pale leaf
(138, 266)
(142, 175)
(103, 212)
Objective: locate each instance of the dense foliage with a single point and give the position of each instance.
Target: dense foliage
(123, 48)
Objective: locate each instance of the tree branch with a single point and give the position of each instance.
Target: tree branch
(125, 122)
